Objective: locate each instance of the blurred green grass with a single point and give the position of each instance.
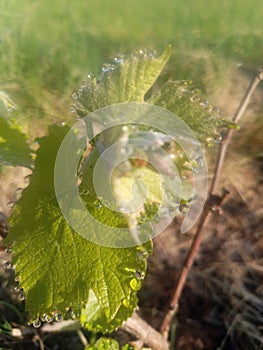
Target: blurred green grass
(47, 47)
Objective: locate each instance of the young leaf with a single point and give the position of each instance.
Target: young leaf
(180, 98)
(123, 185)
(57, 267)
(126, 81)
(104, 344)
(93, 317)
(13, 147)
(131, 77)
(108, 344)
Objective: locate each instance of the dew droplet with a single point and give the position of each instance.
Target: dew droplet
(125, 302)
(139, 274)
(151, 55)
(17, 289)
(204, 104)
(218, 139)
(210, 141)
(82, 86)
(184, 208)
(107, 67)
(90, 76)
(16, 286)
(135, 284)
(43, 318)
(58, 317)
(75, 95)
(142, 253)
(85, 192)
(195, 98)
(119, 58)
(7, 265)
(187, 83)
(96, 203)
(21, 296)
(36, 323)
(48, 318)
(8, 250)
(72, 109)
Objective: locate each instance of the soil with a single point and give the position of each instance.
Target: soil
(222, 302)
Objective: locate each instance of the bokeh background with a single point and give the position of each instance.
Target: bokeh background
(48, 47)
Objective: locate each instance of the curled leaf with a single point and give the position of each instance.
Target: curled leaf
(127, 80)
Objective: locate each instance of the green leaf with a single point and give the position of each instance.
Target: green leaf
(127, 347)
(108, 344)
(127, 80)
(123, 186)
(93, 316)
(57, 267)
(182, 99)
(122, 192)
(104, 344)
(14, 149)
(131, 77)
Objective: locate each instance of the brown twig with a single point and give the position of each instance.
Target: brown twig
(177, 290)
(224, 145)
(82, 338)
(147, 334)
(213, 203)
